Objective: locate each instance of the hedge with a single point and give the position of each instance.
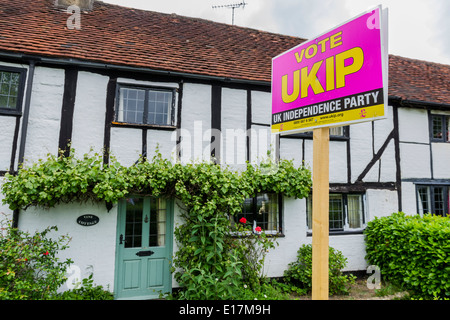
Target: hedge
(412, 251)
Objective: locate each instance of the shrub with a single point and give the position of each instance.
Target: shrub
(412, 251)
(300, 271)
(232, 268)
(86, 291)
(251, 249)
(29, 267)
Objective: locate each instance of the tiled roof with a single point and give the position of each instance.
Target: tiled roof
(117, 35)
(418, 80)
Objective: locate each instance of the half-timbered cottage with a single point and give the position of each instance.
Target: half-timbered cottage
(125, 80)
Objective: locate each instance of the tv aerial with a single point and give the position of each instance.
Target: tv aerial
(232, 7)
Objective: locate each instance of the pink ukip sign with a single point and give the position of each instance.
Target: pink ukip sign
(336, 79)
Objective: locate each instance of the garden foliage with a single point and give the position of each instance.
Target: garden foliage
(29, 266)
(31, 270)
(299, 273)
(412, 251)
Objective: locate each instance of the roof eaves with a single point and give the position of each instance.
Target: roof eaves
(413, 103)
(118, 67)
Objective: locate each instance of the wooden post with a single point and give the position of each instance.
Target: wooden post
(320, 216)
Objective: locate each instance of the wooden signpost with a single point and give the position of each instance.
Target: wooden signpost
(320, 218)
(336, 79)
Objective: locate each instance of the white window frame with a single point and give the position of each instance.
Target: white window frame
(119, 110)
(278, 227)
(345, 224)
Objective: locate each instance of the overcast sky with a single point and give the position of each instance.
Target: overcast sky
(418, 29)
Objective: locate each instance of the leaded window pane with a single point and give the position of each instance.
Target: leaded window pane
(9, 89)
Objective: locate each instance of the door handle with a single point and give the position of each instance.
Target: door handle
(121, 239)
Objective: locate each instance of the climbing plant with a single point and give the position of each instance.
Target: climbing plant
(210, 256)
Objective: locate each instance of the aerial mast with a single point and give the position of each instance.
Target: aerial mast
(232, 7)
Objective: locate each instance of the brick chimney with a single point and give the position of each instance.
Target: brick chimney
(84, 5)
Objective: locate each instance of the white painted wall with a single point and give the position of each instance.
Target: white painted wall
(353, 248)
(196, 123)
(409, 199)
(338, 162)
(413, 125)
(380, 203)
(7, 127)
(164, 141)
(441, 160)
(415, 160)
(261, 107)
(291, 149)
(89, 113)
(414, 153)
(126, 145)
(261, 141)
(234, 127)
(382, 128)
(388, 169)
(45, 114)
(294, 228)
(361, 148)
(92, 248)
(441, 154)
(5, 213)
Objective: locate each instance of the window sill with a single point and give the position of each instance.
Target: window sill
(269, 234)
(340, 233)
(310, 136)
(143, 126)
(10, 113)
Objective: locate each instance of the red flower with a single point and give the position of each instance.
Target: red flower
(258, 229)
(45, 253)
(243, 220)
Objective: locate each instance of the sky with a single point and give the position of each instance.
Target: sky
(418, 29)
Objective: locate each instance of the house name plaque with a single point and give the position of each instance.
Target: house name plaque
(88, 220)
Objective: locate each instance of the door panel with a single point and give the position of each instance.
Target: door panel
(155, 272)
(144, 248)
(131, 273)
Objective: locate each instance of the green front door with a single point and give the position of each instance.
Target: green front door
(144, 248)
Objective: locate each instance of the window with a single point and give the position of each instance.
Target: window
(433, 199)
(346, 212)
(440, 128)
(336, 133)
(11, 89)
(146, 106)
(145, 222)
(262, 211)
